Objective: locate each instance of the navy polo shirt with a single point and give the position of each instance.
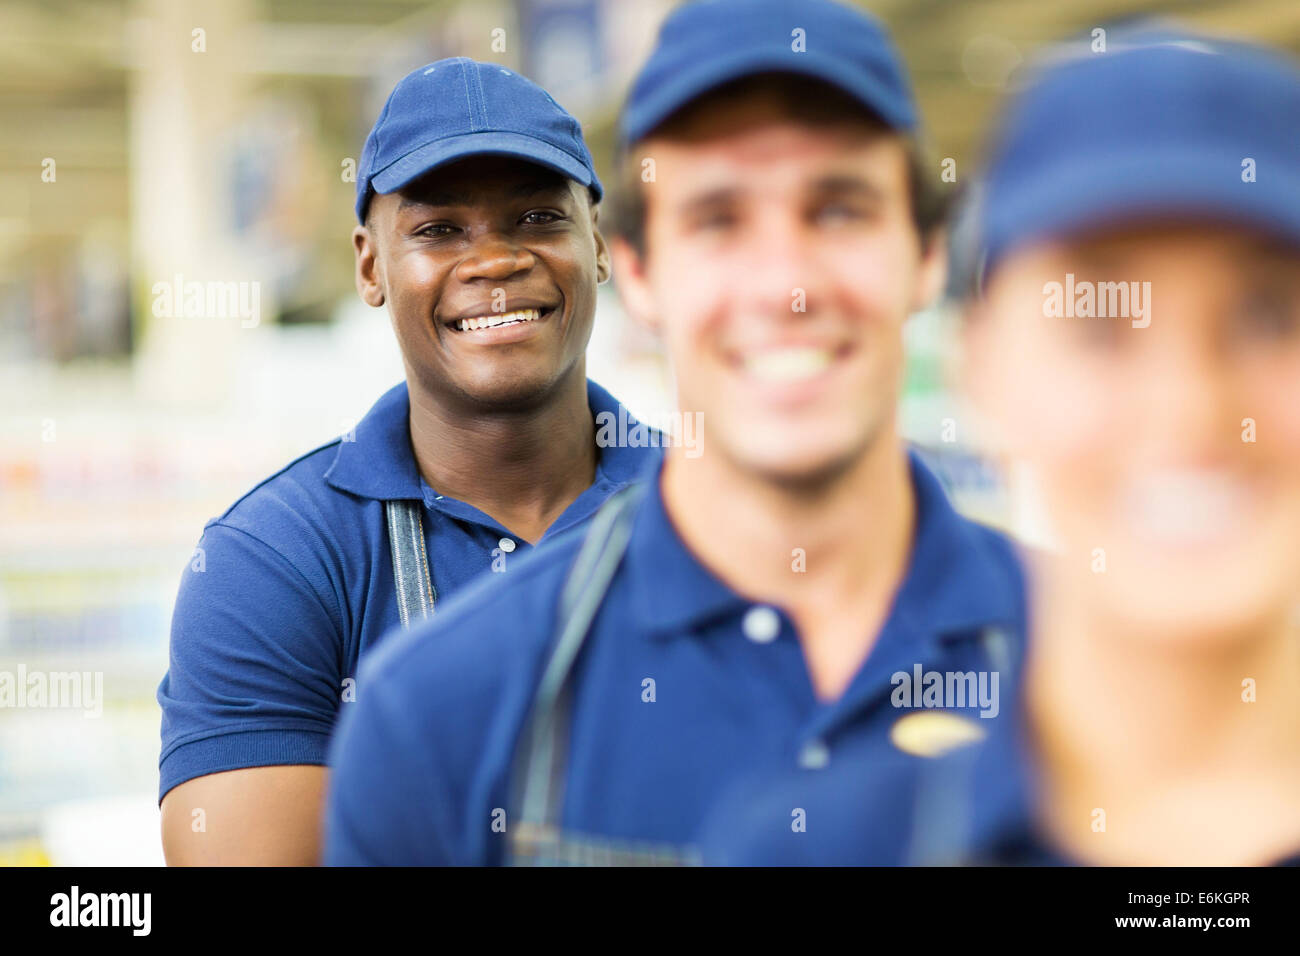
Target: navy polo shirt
(974, 806)
(421, 759)
(880, 806)
(294, 583)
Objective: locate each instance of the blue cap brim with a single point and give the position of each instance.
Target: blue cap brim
(708, 74)
(494, 143)
(1066, 199)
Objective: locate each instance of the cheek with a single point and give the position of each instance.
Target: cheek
(1273, 389)
(1054, 408)
(411, 279)
(873, 282)
(688, 294)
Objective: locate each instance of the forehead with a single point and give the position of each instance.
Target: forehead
(1165, 242)
(759, 151)
(483, 179)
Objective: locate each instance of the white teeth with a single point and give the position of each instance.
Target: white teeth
(1186, 506)
(499, 318)
(783, 365)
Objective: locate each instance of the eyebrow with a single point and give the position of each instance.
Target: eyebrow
(846, 183)
(1270, 252)
(834, 183)
(715, 196)
(522, 190)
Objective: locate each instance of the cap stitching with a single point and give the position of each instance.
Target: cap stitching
(469, 103)
(482, 98)
(379, 124)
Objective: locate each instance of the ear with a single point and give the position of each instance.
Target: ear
(603, 264)
(933, 270)
(369, 286)
(634, 285)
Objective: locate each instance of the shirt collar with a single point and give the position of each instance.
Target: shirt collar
(955, 583)
(672, 592)
(961, 577)
(375, 460)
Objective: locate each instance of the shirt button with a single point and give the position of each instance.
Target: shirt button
(761, 625)
(506, 544)
(815, 755)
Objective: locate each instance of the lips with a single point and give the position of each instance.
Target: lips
(1188, 506)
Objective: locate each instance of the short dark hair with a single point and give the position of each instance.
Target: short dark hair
(801, 97)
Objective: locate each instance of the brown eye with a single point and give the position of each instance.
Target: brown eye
(434, 230)
(1098, 333)
(714, 221)
(1268, 315)
(833, 213)
(541, 217)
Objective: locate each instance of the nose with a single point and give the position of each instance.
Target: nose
(493, 257)
(1188, 388)
(781, 276)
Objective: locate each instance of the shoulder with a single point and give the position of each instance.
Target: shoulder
(1004, 555)
(292, 533)
(296, 491)
(298, 515)
(937, 472)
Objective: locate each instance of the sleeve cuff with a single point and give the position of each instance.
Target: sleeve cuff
(238, 751)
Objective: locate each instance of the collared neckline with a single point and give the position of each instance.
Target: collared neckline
(376, 459)
(951, 575)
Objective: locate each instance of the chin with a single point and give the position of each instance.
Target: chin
(793, 457)
(505, 388)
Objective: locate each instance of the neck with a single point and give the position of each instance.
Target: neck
(521, 466)
(1159, 735)
(831, 554)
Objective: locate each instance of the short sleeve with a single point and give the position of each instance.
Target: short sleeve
(254, 670)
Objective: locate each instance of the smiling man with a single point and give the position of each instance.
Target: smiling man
(748, 608)
(478, 209)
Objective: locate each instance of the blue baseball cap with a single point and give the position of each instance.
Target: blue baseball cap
(1164, 124)
(459, 107)
(708, 43)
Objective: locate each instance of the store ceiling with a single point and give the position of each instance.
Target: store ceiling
(64, 68)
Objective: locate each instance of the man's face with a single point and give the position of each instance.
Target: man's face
(1140, 438)
(475, 242)
(781, 260)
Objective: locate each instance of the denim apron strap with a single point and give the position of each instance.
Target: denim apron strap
(415, 593)
(941, 823)
(537, 776)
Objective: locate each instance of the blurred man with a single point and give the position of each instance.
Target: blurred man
(1158, 407)
(478, 209)
(749, 607)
